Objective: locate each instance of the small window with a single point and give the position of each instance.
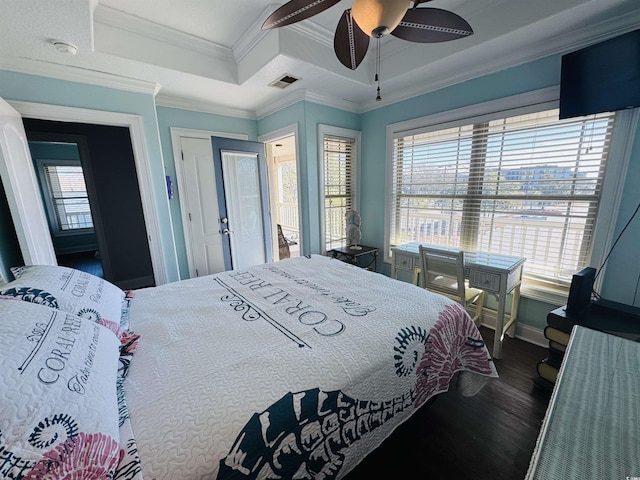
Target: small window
(339, 182)
(67, 201)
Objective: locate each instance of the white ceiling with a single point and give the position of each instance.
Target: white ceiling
(212, 55)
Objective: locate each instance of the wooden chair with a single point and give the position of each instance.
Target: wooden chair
(442, 271)
(283, 245)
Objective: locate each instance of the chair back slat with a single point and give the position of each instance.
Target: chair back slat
(443, 271)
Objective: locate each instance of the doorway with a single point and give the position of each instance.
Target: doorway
(24, 201)
(106, 158)
(243, 202)
(219, 232)
(66, 201)
(283, 185)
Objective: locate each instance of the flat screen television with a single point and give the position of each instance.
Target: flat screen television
(580, 290)
(604, 77)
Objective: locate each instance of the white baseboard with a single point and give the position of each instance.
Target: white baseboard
(523, 332)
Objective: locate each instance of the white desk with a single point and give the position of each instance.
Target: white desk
(592, 425)
(496, 274)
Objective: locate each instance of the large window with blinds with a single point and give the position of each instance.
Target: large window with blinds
(66, 196)
(527, 185)
(339, 181)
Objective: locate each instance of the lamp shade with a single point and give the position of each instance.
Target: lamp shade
(378, 17)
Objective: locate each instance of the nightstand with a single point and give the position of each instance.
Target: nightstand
(357, 257)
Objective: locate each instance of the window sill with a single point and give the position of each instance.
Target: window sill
(551, 295)
(74, 232)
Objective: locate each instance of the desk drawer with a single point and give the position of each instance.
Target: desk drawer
(404, 262)
(487, 281)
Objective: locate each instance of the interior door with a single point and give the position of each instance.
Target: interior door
(243, 201)
(200, 196)
(23, 194)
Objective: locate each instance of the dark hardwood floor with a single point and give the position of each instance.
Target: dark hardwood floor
(84, 261)
(488, 436)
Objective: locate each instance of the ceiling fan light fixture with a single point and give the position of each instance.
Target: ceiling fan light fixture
(377, 18)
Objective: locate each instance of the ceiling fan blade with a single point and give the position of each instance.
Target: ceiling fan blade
(431, 25)
(296, 10)
(418, 2)
(350, 43)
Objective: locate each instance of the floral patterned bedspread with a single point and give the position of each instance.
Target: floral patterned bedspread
(295, 369)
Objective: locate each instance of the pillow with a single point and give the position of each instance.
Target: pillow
(68, 289)
(124, 315)
(59, 415)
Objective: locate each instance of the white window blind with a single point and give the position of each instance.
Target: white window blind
(339, 192)
(68, 197)
(525, 185)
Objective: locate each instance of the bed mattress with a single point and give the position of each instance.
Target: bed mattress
(293, 369)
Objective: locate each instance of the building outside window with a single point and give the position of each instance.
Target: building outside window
(66, 196)
(527, 185)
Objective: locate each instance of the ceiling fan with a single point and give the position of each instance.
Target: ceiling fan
(375, 18)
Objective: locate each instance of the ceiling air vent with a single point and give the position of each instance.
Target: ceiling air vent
(284, 81)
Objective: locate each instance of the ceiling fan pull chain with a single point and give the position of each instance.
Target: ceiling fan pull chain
(377, 78)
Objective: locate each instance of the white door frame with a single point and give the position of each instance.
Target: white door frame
(142, 162)
(283, 132)
(176, 135)
(20, 181)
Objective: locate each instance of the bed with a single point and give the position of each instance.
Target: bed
(292, 369)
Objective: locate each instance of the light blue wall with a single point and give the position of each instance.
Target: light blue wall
(31, 88)
(177, 118)
(533, 76)
(621, 278)
(308, 115)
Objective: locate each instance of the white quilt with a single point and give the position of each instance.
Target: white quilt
(295, 369)
(58, 409)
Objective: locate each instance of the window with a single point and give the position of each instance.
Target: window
(339, 181)
(67, 200)
(524, 184)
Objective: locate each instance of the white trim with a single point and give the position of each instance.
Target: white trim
(169, 101)
(142, 161)
(273, 136)
(622, 140)
(139, 26)
(75, 74)
(621, 147)
(275, 105)
(176, 135)
(356, 135)
(544, 96)
(523, 331)
(492, 108)
(22, 192)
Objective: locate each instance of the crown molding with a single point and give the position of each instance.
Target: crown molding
(334, 102)
(495, 55)
(180, 103)
(75, 74)
(314, 31)
(280, 104)
(252, 37)
(302, 94)
(138, 26)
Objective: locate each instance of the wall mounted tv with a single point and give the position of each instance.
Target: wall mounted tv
(604, 77)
